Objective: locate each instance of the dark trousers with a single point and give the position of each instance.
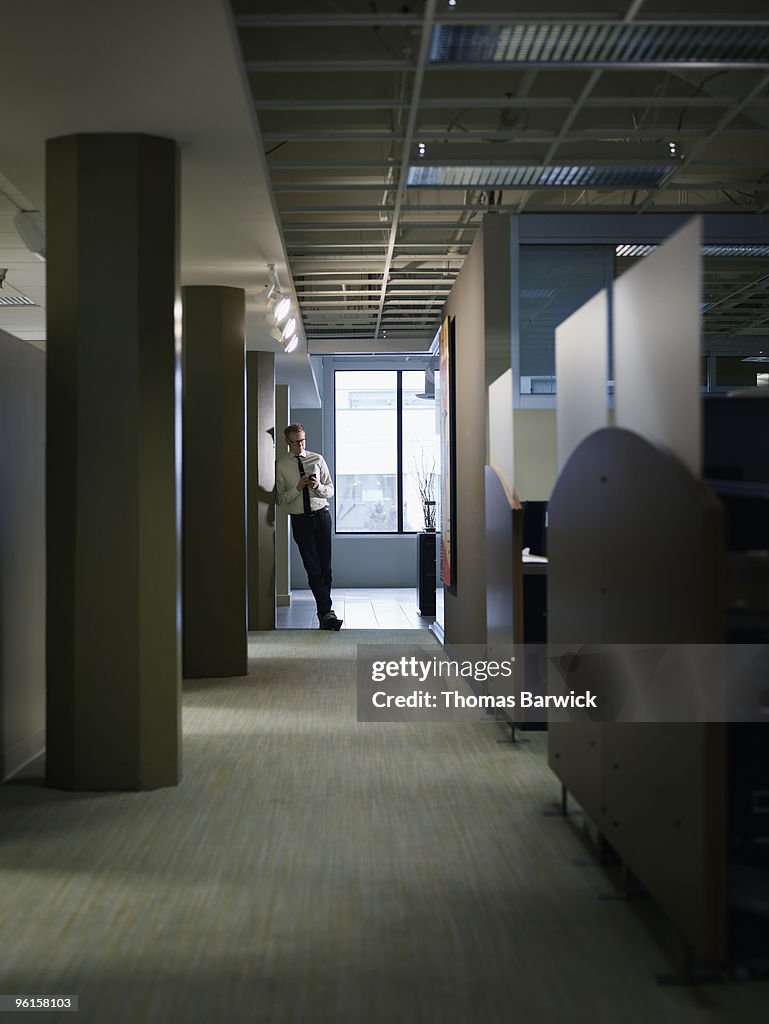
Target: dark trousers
(312, 534)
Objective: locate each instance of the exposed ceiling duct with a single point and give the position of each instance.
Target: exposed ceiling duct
(391, 131)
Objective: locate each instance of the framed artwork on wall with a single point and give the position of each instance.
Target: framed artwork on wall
(448, 455)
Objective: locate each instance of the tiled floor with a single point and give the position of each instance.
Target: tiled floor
(371, 608)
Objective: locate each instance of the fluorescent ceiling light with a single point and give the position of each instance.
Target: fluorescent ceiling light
(634, 250)
(707, 250)
(535, 176)
(596, 42)
(16, 300)
(735, 250)
(292, 344)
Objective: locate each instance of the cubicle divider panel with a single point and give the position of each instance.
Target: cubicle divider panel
(636, 550)
(664, 792)
(504, 582)
(575, 753)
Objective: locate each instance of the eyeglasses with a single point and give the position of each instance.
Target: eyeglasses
(299, 440)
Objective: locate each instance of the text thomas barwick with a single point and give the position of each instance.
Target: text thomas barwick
(455, 699)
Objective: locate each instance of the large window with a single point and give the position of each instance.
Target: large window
(387, 445)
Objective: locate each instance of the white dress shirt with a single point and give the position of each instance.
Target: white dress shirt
(287, 491)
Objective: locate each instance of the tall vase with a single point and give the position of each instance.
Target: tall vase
(429, 515)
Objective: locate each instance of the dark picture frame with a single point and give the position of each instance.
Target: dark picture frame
(447, 352)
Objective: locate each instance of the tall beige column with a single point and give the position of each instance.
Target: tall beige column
(214, 522)
(282, 540)
(113, 656)
(260, 375)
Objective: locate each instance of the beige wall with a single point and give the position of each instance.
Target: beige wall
(465, 611)
(536, 460)
(480, 303)
(22, 553)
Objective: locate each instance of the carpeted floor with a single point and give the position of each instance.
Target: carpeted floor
(313, 869)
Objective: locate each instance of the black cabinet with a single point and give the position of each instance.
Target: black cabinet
(426, 573)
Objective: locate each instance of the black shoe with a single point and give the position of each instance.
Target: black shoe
(330, 621)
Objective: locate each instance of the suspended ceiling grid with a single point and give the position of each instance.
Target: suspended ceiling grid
(735, 299)
(391, 128)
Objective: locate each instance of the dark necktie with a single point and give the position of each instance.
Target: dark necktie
(306, 491)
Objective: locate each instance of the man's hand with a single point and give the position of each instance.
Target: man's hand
(304, 481)
(313, 481)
